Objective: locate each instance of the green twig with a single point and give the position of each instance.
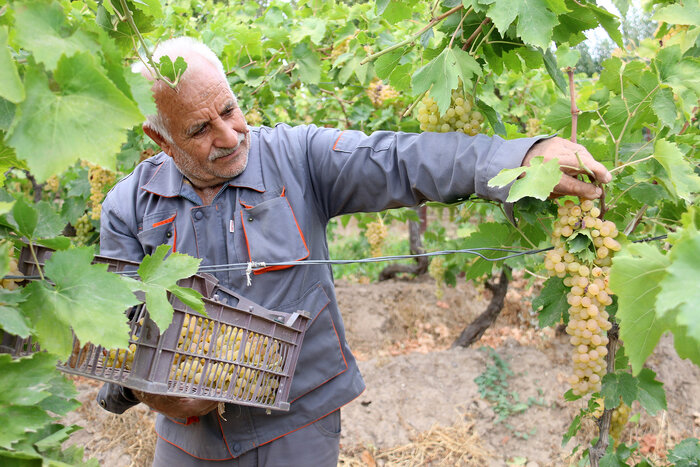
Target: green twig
(36, 260)
(411, 38)
(413, 105)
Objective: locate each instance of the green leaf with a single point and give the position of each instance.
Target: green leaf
(535, 20)
(18, 420)
(41, 27)
(539, 181)
(609, 22)
(49, 223)
(619, 385)
(551, 303)
(492, 116)
(552, 67)
(150, 7)
(651, 392)
(172, 70)
(567, 57)
(635, 277)
(11, 318)
(664, 107)
(441, 75)
(679, 171)
(686, 453)
(24, 379)
(141, 92)
(490, 234)
(56, 130)
(25, 217)
(308, 63)
(10, 85)
(679, 288)
(396, 10)
(386, 63)
(85, 297)
(679, 14)
(574, 426)
(160, 275)
(313, 28)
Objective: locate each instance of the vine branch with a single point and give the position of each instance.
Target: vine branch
(476, 32)
(598, 451)
(411, 38)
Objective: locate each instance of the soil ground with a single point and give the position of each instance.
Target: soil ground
(422, 405)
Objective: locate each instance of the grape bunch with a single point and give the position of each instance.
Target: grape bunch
(379, 92)
(586, 276)
(437, 269)
(52, 184)
(620, 416)
(100, 179)
(376, 233)
(461, 116)
(253, 117)
(83, 230)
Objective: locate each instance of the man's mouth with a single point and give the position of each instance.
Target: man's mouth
(219, 153)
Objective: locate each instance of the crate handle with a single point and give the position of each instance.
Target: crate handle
(244, 303)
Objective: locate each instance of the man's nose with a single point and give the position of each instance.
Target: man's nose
(227, 136)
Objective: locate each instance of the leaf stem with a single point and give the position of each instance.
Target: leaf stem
(36, 260)
(413, 105)
(475, 33)
(486, 36)
(574, 109)
(412, 37)
(458, 28)
(620, 167)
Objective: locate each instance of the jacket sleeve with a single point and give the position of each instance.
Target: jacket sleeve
(117, 241)
(354, 172)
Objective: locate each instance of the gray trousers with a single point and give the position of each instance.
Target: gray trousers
(315, 445)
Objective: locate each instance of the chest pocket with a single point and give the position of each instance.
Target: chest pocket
(158, 229)
(272, 233)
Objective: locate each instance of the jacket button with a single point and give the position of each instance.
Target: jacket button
(169, 234)
(250, 219)
(198, 215)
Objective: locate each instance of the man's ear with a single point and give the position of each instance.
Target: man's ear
(158, 139)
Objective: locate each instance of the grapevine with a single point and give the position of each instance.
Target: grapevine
(461, 116)
(52, 184)
(253, 117)
(585, 273)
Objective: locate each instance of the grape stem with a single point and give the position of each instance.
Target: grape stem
(574, 109)
(410, 108)
(36, 260)
(476, 32)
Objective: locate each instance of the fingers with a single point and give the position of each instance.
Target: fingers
(572, 186)
(599, 171)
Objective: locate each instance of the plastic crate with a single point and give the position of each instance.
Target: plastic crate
(252, 364)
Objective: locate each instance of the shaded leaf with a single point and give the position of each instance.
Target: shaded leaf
(535, 20)
(651, 392)
(551, 304)
(619, 385)
(308, 63)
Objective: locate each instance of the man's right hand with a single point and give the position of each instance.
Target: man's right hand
(176, 407)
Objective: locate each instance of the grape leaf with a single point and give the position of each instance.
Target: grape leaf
(493, 117)
(574, 426)
(396, 10)
(25, 217)
(42, 28)
(567, 57)
(651, 392)
(539, 181)
(308, 63)
(535, 20)
(441, 75)
(678, 14)
(10, 85)
(85, 297)
(172, 70)
(24, 379)
(86, 120)
(616, 385)
(386, 64)
(551, 304)
(158, 275)
(11, 318)
(552, 67)
(679, 171)
(490, 234)
(679, 288)
(17, 420)
(313, 28)
(686, 453)
(635, 277)
(141, 92)
(664, 107)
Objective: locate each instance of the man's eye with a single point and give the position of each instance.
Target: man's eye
(200, 131)
(227, 112)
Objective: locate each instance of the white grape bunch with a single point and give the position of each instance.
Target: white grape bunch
(461, 116)
(589, 292)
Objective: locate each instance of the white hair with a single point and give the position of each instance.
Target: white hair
(176, 47)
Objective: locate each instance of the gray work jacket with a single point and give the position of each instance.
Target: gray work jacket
(297, 178)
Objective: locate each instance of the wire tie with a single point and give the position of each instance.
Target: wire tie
(249, 270)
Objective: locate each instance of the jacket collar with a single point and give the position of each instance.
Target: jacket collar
(169, 182)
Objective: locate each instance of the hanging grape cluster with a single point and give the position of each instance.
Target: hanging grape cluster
(376, 233)
(83, 230)
(11, 284)
(379, 92)
(589, 294)
(437, 269)
(52, 184)
(253, 117)
(461, 116)
(620, 416)
(100, 179)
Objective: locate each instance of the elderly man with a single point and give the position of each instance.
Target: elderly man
(228, 193)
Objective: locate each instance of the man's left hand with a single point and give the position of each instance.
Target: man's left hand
(565, 152)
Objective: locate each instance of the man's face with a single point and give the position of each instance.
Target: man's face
(210, 136)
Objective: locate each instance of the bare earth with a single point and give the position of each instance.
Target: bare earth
(422, 406)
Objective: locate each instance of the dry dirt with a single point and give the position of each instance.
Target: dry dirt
(422, 406)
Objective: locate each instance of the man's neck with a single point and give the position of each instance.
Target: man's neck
(207, 193)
